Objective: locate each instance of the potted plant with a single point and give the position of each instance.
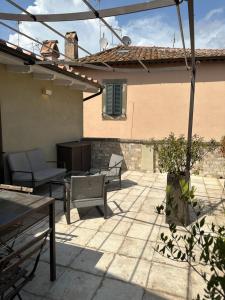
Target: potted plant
(172, 155)
(201, 247)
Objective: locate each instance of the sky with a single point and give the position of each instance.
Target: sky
(150, 28)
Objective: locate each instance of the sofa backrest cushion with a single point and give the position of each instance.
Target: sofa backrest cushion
(36, 159)
(18, 162)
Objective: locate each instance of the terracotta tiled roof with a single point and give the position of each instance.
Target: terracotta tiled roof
(32, 57)
(130, 54)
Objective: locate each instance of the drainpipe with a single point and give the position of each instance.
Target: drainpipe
(94, 95)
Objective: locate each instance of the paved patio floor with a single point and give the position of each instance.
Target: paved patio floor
(115, 258)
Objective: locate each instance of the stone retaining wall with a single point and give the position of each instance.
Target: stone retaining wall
(141, 155)
(213, 165)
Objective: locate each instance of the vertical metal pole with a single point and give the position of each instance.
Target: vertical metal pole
(192, 91)
(52, 241)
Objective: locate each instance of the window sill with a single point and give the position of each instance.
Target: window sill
(119, 118)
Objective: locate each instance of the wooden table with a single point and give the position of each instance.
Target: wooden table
(19, 210)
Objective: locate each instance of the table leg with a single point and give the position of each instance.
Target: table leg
(50, 189)
(52, 241)
(68, 209)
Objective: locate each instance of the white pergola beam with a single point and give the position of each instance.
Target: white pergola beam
(43, 76)
(18, 69)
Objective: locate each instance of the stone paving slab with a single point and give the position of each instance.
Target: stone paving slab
(115, 259)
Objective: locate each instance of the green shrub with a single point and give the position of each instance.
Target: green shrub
(172, 153)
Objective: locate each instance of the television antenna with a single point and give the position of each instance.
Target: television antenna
(126, 40)
(18, 37)
(174, 39)
(103, 42)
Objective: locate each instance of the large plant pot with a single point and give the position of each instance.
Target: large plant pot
(177, 210)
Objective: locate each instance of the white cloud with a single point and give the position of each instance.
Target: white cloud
(213, 12)
(155, 30)
(210, 30)
(88, 30)
(152, 31)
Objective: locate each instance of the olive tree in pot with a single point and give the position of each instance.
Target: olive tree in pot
(172, 155)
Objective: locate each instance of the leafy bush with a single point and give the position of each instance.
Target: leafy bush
(173, 153)
(199, 245)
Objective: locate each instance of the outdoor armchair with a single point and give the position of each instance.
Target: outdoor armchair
(86, 191)
(114, 169)
(13, 273)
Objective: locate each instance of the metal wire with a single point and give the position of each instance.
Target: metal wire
(53, 50)
(111, 29)
(105, 23)
(87, 15)
(51, 28)
(182, 34)
(31, 38)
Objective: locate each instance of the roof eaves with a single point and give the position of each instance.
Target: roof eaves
(31, 58)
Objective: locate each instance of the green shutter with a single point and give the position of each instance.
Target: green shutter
(118, 93)
(109, 99)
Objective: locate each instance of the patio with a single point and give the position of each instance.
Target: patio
(115, 258)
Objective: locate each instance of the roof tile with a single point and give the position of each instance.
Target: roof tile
(132, 53)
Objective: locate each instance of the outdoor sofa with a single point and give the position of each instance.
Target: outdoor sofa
(29, 168)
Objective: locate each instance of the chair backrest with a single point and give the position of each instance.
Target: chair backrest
(36, 159)
(87, 187)
(18, 161)
(115, 164)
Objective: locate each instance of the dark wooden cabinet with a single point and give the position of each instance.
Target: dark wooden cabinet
(74, 156)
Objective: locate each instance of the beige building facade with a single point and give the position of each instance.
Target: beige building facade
(40, 106)
(31, 119)
(158, 104)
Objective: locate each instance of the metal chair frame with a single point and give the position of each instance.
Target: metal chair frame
(11, 266)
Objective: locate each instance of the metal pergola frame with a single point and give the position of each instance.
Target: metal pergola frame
(78, 16)
(94, 14)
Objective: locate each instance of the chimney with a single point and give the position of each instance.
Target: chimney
(50, 50)
(71, 45)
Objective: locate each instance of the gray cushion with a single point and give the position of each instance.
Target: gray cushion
(36, 159)
(21, 177)
(40, 177)
(48, 174)
(18, 162)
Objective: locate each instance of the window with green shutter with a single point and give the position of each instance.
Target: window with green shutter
(114, 95)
